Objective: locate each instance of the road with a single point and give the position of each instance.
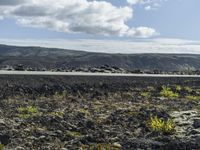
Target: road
(2, 72)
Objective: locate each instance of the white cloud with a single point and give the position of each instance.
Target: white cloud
(134, 2)
(115, 46)
(142, 32)
(148, 4)
(153, 2)
(148, 7)
(76, 16)
(11, 2)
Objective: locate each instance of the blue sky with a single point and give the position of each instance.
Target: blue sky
(113, 20)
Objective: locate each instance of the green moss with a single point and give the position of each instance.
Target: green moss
(167, 92)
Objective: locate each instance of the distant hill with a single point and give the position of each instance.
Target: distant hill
(57, 58)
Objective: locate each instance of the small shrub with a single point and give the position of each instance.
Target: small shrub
(160, 125)
(167, 92)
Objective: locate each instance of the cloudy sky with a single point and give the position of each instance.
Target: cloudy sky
(116, 26)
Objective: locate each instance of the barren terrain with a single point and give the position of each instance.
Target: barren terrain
(94, 112)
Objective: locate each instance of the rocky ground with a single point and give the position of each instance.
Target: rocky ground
(111, 113)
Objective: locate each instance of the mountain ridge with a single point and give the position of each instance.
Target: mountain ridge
(41, 57)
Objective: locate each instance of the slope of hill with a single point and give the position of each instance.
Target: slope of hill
(60, 58)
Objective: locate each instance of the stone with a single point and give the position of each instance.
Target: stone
(2, 122)
(4, 139)
(117, 145)
(196, 123)
(194, 131)
(42, 137)
(19, 148)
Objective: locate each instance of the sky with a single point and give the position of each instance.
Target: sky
(114, 26)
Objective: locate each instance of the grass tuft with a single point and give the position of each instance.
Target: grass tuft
(26, 112)
(160, 125)
(167, 92)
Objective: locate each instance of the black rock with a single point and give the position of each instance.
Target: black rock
(196, 123)
(4, 138)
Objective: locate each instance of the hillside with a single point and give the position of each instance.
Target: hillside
(62, 58)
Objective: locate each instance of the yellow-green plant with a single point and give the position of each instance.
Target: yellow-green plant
(57, 113)
(193, 98)
(26, 112)
(28, 109)
(167, 92)
(160, 125)
(74, 134)
(188, 89)
(169, 126)
(145, 94)
(1, 147)
(100, 147)
(178, 88)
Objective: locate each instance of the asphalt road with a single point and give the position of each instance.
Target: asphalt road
(48, 73)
